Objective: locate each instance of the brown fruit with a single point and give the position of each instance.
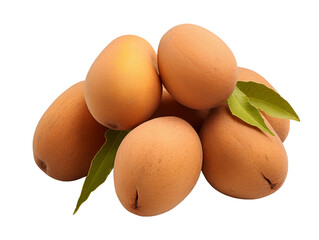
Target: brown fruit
(170, 107)
(240, 160)
(122, 87)
(157, 165)
(67, 136)
(280, 125)
(197, 68)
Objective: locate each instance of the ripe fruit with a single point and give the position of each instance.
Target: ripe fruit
(122, 87)
(169, 107)
(280, 125)
(157, 165)
(67, 136)
(240, 160)
(197, 68)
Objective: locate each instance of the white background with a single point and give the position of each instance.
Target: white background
(45, 48)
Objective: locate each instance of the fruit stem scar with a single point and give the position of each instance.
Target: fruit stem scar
(111, 125)
(42, 165)
(272, 186)
(136, 200)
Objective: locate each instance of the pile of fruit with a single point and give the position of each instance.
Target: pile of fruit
(167, 117)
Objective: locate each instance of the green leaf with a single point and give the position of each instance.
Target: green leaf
(101, 165)
(267, 100)
(240, 107)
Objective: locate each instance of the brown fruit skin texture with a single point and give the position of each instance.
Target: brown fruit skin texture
(280, 125)
(67, 137)
(170, 107)
(240, 160)
(122, 87)
(196, 67)
(157, 165)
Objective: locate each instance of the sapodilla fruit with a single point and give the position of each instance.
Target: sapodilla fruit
(67, 136)
(122, 87)
(196, 67)
(157, 165)
(240, 160)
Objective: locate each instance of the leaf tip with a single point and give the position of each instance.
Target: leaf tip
(75, 210)
(268, 130)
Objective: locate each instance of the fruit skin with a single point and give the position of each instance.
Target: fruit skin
(122, 87)
(240, 160)
(67, 137)
(280, 125)
(157, 165)
(196, 67)
(170, 107)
